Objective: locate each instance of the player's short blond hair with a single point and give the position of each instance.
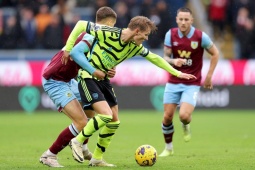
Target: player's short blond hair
(143, 23)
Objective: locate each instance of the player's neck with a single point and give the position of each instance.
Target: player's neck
(185, 33)
(127, 35)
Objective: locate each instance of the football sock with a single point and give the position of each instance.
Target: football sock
(168, 131)
(169, 146)
(62, 141)
(49, 153)
(92, 126)
(104, 138)
(73, 129)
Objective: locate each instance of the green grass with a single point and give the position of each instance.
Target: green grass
(221, 140)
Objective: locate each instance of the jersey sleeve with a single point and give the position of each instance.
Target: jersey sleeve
(167, 41)
(143, 51)
(78, 50)
(81, 26)
(160, 62)
(206, 41)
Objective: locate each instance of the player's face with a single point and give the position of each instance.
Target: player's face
(141, 36)
(184, 21)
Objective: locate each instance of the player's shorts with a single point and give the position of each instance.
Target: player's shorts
(178, 93)
(61, 93)
(93, 91)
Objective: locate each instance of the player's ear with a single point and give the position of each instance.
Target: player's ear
(192, 20)
(137, 30)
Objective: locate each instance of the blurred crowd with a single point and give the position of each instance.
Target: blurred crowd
(238, 17)
(46, 24)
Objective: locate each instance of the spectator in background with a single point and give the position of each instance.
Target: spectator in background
(217, 15)
(28, 28)
(244, 32)
(43, 18)
(145, 8)
(64, 9)
(154, 40)
(121, 9)
(173, 7)
(1, 22)
(160, 15)
(11, 34)
(53, 34)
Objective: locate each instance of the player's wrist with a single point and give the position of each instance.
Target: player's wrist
(178, 74)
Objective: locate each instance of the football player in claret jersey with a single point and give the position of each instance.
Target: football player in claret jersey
(62, 88)
(186, 45)
(114, 45)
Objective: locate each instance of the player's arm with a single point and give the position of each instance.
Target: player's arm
(178, 62)
(214, 53)
(81, 26)
(77, 54)
(160, 62)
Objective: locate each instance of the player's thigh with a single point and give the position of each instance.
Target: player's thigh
(189, 94)
(75, 112)
(172, 94)
(102, 107)
(59, 92)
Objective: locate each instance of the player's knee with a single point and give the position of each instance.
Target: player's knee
(168, 117)
(185, 117)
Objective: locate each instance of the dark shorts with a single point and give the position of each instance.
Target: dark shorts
(93, 91)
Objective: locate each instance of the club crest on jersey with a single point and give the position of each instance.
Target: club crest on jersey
(194, 44)
(95, 96)
(68, 94)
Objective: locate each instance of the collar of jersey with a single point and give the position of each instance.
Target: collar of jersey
(191, 32)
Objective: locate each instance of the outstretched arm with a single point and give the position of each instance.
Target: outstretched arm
(160, 62)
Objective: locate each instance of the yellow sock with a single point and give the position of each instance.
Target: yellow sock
(104, 139)
(92, 126)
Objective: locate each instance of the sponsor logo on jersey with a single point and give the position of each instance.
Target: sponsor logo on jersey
(184, 53)
(175, 43)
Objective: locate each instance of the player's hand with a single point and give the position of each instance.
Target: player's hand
(178, 62)
(100, 75)
(111, 73)
(65, 57)
(208, 83)
(186, 76)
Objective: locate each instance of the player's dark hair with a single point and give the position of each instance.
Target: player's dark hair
(105, 12)
(184, 9)
(143, 23)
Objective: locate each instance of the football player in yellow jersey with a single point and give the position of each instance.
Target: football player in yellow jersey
(113, 46)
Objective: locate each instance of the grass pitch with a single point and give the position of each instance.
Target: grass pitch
(221, 139)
